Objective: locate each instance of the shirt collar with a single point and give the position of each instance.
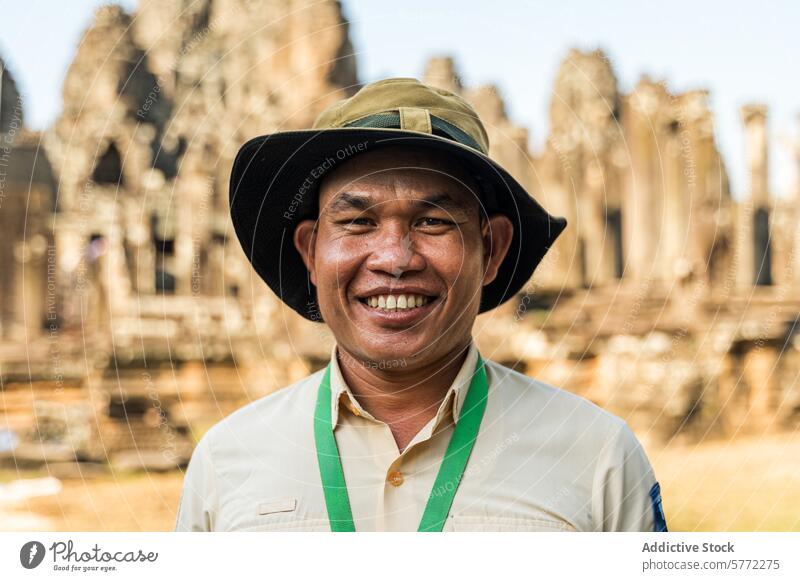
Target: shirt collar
(340, 391)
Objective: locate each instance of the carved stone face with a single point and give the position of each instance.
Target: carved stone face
(400, 254)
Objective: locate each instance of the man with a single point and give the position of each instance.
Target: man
(389, 222)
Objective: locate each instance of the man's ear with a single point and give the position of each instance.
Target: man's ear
(496, 233)
(305, 240)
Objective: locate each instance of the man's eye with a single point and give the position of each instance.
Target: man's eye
(434, 222)
(355, 222)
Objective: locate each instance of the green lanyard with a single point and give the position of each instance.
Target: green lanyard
(450, 472)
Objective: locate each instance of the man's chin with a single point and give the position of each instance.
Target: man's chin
(391, 351)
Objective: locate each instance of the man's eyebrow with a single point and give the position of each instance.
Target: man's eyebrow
(442, 200)
(346, 201)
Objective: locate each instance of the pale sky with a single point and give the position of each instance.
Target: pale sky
(741, 51)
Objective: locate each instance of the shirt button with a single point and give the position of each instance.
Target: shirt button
(395, 478)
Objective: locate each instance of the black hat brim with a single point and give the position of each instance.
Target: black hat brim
(274, 185)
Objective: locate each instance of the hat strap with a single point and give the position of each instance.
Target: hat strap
(415, 119)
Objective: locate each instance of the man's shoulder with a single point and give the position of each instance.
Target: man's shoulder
(274, 412)
(549, 403)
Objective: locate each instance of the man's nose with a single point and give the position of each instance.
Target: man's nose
(395, 253)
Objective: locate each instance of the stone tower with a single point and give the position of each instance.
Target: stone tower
(582, 163)
(27, 199)
(754, 226)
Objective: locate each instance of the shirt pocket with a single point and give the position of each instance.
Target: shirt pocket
(509, 524)
(281, 514)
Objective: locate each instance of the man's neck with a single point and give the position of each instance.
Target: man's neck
(403, 398)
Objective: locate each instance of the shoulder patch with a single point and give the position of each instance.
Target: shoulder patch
(659, 520)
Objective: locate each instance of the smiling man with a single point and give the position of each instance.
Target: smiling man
(389, 222)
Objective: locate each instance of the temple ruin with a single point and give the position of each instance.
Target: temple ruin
(131, 320)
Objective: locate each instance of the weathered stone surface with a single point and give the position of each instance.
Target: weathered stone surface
(131, 321)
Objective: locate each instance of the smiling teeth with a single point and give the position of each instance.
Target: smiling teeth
(397, 302)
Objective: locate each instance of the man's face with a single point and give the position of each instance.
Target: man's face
(400, 254)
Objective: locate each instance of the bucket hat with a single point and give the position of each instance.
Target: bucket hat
(275, 181)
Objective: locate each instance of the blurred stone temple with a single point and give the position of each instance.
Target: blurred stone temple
(130, 319)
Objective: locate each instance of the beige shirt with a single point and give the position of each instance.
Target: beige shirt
(544, 460)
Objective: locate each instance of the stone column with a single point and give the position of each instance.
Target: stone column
(754, 118)
(674, 248)
(117, 277)
(758, 259)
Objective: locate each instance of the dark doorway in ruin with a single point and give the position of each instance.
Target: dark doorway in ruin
(163, 239)
(167, 155)
(165, 282)
(762, 251)
(716, 264)
(109, 167)
(614, 224)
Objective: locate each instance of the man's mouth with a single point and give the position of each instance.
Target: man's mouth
(397, 302)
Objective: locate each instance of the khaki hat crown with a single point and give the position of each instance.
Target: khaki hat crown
(407, 104)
